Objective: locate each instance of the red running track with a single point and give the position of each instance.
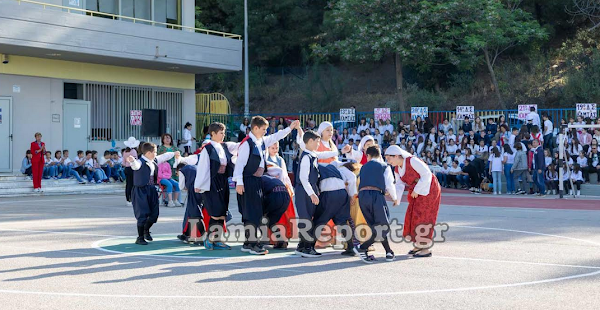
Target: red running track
(508, 201)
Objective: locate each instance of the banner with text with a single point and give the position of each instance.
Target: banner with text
(382, 114)
(348, 115)
(587, 110)
(419, 111)
(463, 111)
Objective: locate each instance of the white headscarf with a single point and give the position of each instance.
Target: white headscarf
(396, 150)
(364, 141)
(323, 126)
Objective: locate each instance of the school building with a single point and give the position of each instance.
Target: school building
(75, 69)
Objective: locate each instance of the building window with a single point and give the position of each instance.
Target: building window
(137, 8)
(103, 6)
(167, 11)
(111, 107)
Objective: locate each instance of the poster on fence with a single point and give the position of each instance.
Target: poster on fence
(587, 110)
(348, 115)
(419, 111)
(382, 114)
(135, 117)
(463, 111)
(524, 110)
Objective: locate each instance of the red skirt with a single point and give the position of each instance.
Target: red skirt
(423, 210)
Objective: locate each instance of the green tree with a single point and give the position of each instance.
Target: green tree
(371, 30)
(487, 28)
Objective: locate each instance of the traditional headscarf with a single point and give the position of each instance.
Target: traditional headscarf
(323, 126)
(396, 150)
(364, 141)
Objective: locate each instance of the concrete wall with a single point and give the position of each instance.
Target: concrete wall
(32, 110)
(30, 30)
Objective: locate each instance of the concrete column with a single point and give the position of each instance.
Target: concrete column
(188, 14)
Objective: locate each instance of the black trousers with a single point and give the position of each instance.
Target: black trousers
(129, 183)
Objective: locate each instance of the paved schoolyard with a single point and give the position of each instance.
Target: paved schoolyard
(74, 252)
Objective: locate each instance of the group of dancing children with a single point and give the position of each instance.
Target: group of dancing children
(325, 193)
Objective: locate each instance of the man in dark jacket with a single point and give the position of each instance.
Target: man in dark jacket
(538, 166)
(475, 169)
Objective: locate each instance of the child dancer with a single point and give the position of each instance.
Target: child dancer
(144, 195)
(249, 168)
(376, 178)
(424, 197)
(275, 204)
(193, 209)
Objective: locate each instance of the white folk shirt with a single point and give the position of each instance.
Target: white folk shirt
(137, 164)
(244, 152)
(348, 182)
(423, 185)
(202, 162)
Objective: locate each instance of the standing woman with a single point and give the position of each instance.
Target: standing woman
(165, 147)
(508, 161)
(243, 128)
(131, 144)
(38, 149)
(424, 198)
(187, 138)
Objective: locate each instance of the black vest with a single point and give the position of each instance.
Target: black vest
(371, 174)
(141, 177)
(329, 171)
(313, 175)
(254, 159)
(269, 183)
(215, 161)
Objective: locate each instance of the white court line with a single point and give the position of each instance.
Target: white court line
(528, 232)
(62, 233)
(308, 296)
(62, 199)
(594, 273)
(516, 262)
(523, 210)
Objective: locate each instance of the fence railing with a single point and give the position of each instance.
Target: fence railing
(131, 19)
(233, 121)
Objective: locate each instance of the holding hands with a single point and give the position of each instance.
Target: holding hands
(295, 125)
(346, 149)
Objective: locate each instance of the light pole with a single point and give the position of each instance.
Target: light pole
(246, 80)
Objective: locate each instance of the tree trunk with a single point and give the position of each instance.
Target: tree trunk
(399, 82)
(493, 75)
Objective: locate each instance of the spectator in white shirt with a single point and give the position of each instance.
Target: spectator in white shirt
(577, 178)
(548, 129)
(533, 119)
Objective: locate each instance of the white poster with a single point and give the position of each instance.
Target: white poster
(587, 110)
(524, 109)
(16, 89)
(465, 110)
(77, 122)
(348, 115)
(135, 117)
(382, 114)
(419, 111)
(74, 2)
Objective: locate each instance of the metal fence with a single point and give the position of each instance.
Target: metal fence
(233, 121)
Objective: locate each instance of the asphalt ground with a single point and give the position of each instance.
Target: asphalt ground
(76, 252)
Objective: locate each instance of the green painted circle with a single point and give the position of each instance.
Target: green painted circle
(169, 245)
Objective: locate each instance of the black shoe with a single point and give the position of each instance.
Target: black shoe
(423, 255)
(310, 253)
(246, 247)
(362, 254)
(183, 238)
(389, 257)
(413, 252)
(348, 252)
(281, 246)
(299, 250)
(141, 241)
(147, 236)
(258, 250)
